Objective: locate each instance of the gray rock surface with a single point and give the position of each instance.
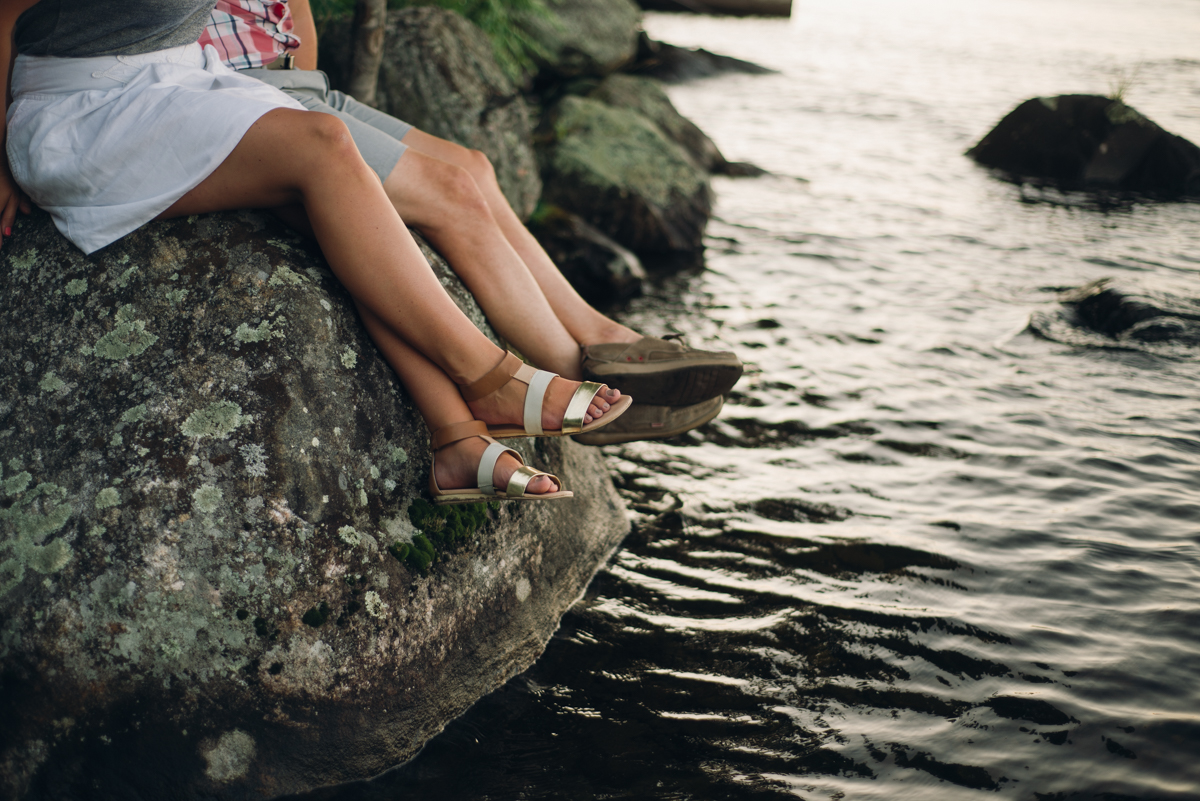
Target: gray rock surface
(439, 74)
(584, 37)
(617, 170)
(204, 463)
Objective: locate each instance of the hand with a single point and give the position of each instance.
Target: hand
(11, 199)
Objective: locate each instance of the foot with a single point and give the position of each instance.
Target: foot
(505, 406)
(457, 463)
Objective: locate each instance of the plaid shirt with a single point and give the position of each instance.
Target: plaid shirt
(250, 33)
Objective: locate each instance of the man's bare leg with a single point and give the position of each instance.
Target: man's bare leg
(443, 202)
(586, 325)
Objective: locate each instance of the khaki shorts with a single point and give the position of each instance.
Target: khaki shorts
(376, 134)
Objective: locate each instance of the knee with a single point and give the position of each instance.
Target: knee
(461, 193)
(479, 166)
(326, 139)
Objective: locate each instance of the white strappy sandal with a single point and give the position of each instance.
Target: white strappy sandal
(515, 491)
(511, 368)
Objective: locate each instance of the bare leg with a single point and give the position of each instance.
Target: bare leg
(586, 325)
(443, 202)
(366, 244)
(440, 404)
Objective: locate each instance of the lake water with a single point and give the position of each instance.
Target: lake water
(924, 553)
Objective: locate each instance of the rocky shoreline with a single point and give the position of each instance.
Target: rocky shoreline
(218, 578)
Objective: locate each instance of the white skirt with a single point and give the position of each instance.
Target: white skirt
(107, 144)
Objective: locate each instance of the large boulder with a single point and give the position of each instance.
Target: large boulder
(439, 74)
(583, 37)
(617, 170)
(1092, 143)
(215, 576)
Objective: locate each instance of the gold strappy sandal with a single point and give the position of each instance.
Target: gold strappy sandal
(515, 491)
(538, 381)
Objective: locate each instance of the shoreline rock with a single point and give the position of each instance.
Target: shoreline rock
(205, 462)
(615, 168)
(673, 64)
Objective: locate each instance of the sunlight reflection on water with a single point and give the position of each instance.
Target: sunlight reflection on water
(923, 553)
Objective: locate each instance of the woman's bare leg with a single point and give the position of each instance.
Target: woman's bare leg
(437, 398)
(367, 246)
(585, 324)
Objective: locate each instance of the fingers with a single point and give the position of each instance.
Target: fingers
(8, 216)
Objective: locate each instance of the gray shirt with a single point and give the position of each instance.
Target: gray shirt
(82, 28)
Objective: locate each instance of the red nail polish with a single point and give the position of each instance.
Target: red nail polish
(8, 231)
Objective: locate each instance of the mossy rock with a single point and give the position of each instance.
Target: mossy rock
(203, 462)
(615, 169)
(647, 98)
(583, 37)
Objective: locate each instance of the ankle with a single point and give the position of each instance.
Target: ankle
(611, 332)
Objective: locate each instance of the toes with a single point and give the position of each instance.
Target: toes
(540, 486)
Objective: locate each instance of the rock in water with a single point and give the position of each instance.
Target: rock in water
(672, 64)
(439, 74)
(209, 479)
(617, 170)
(1090, 142)
(1156, 315)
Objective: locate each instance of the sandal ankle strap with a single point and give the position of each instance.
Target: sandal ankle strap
(454, 432)
(492, 380)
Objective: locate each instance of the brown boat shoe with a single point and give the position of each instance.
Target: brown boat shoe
(662, 372)
(653, 422)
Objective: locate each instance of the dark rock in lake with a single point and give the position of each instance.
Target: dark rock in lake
(617, 170)
(1153, 315)
(439, 74)
(1090, 142)
(646, 97)
(601, 271)
(583, 37)
(214, 552)
(672, 64)
(734, 8)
